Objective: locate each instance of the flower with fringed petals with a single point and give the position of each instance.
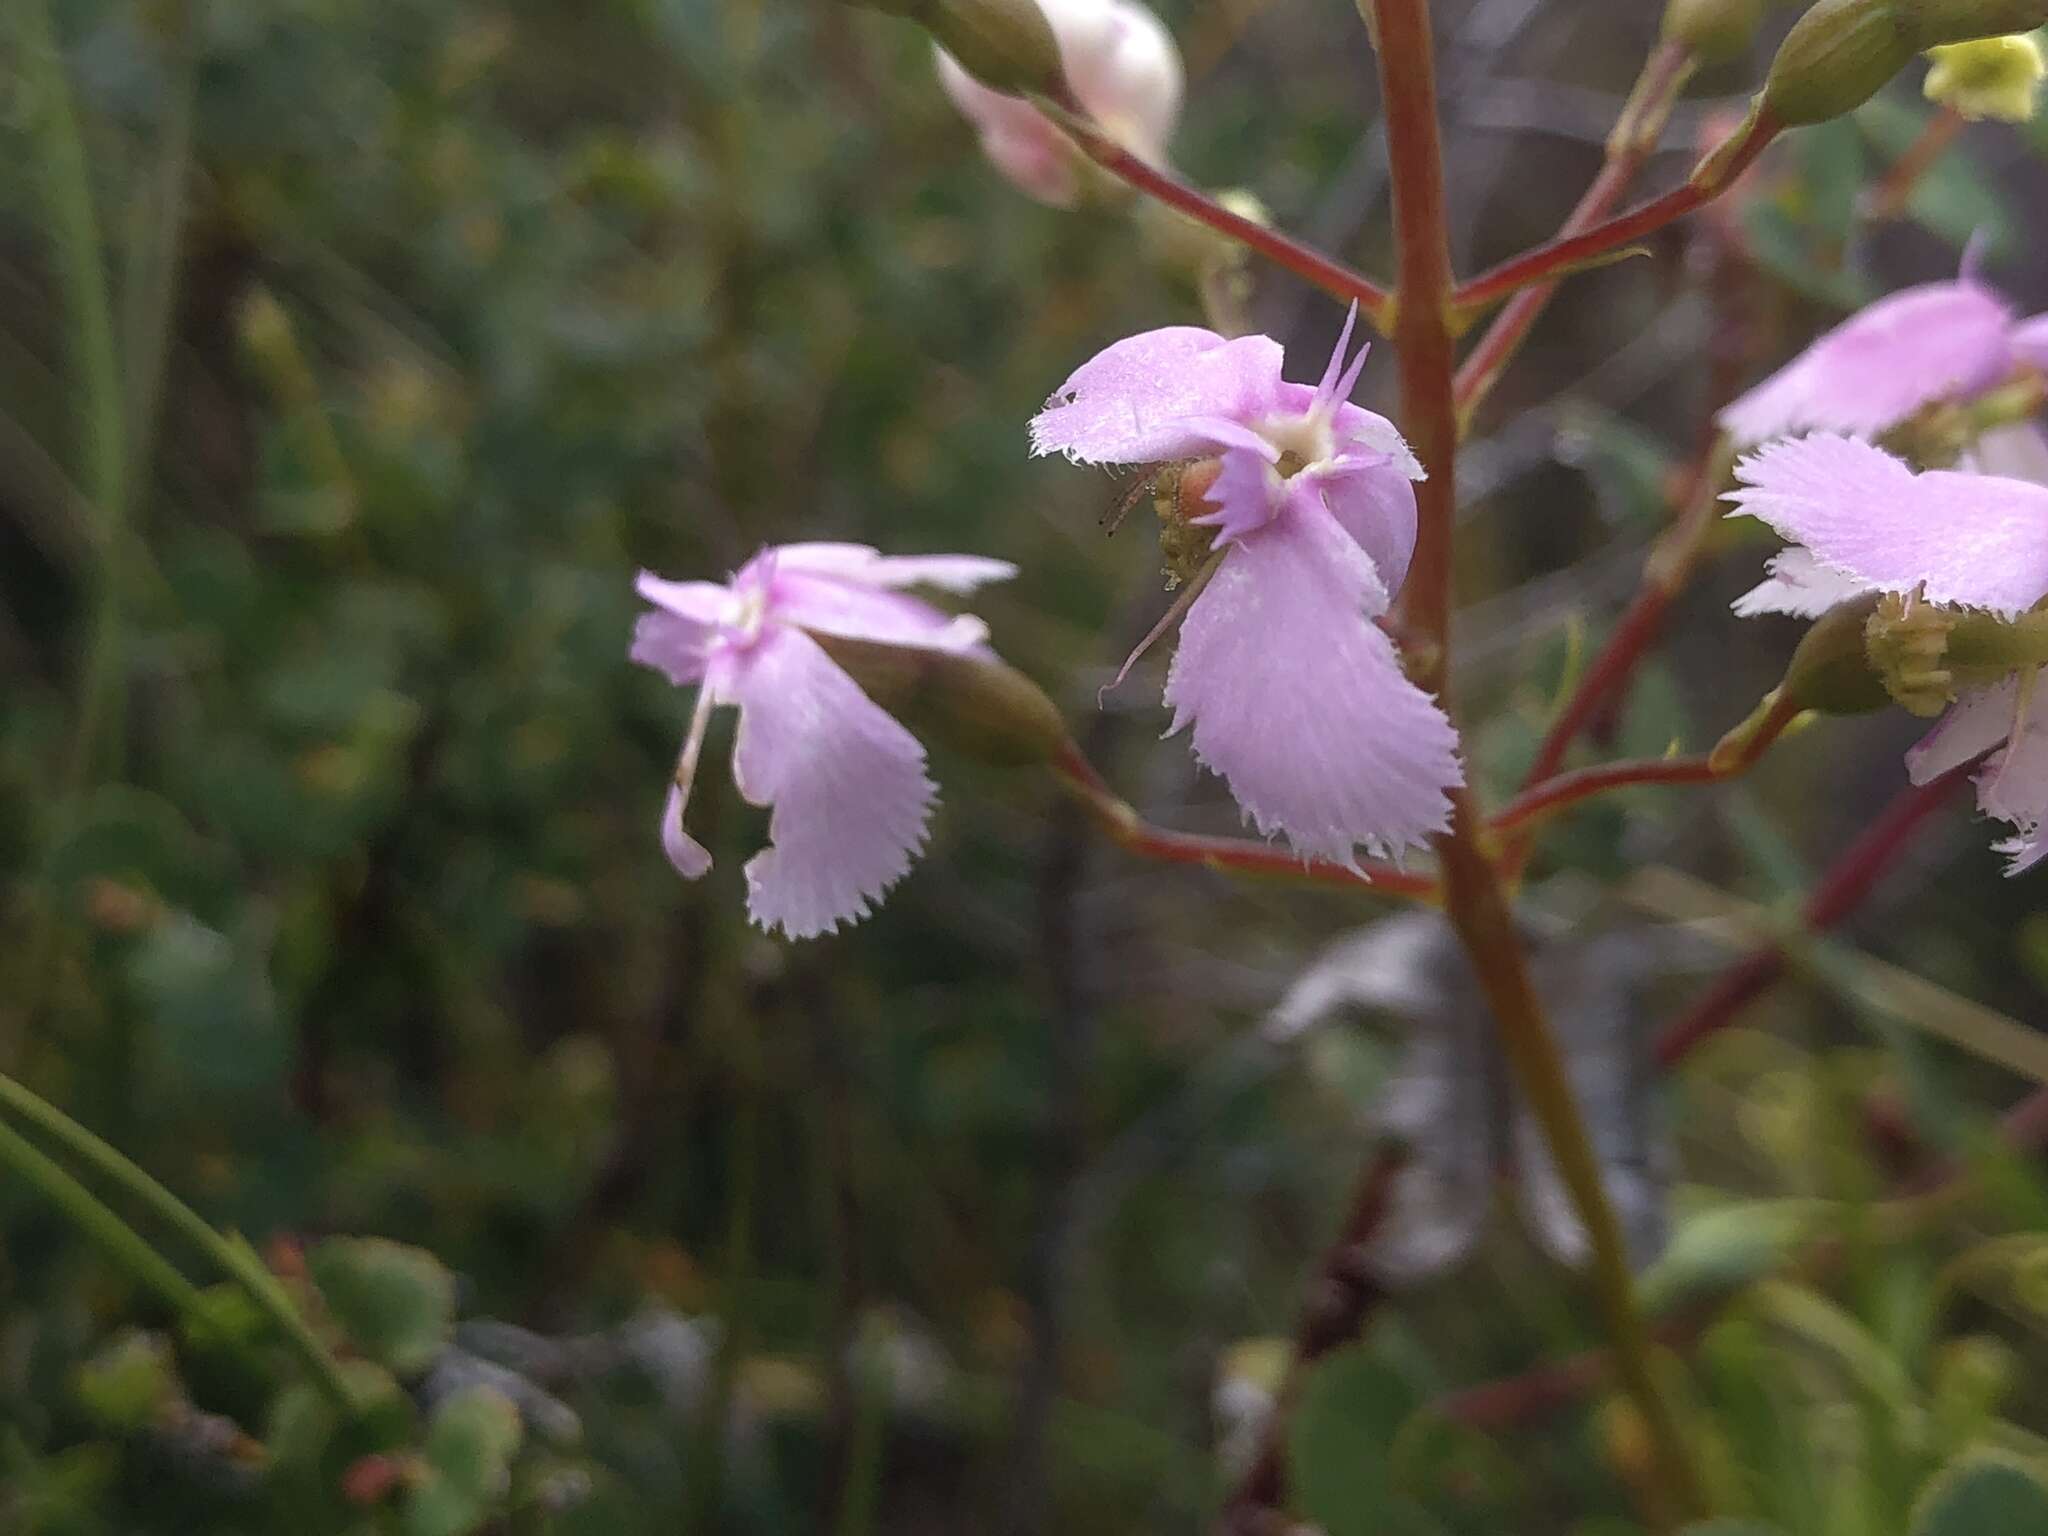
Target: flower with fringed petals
(1864, 521)
(1292, 693)
(844, 781)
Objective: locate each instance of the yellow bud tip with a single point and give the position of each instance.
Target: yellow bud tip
(1994, 77)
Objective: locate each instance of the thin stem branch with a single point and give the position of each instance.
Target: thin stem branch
(1231, 855)
(1304, 261)
(1568, 789)
(236, 1259)
(1573, 249)
(1629, 147)
(91, 1216)
(1665, 572)
(1854, 874)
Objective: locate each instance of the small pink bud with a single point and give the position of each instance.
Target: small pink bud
(1123, 69)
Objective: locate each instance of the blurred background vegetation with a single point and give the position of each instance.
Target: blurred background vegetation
(332, 893)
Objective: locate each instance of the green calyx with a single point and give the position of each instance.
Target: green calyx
(1842, 52)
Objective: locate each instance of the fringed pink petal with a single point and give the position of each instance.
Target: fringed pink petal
(1977, 540)
(1798, 585)
(1938, 341)
(845, 782)
(1298, 700)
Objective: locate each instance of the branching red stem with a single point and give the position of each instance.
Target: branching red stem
(1304, 261)
(1555, 257)
(1634, 139)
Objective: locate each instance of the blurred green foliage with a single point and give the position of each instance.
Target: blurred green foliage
(435, 320)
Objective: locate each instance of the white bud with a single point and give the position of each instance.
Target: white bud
(1125, 72)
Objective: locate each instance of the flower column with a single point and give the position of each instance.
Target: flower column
(1474, 898)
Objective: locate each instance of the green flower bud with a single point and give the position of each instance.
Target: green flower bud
(976, 704)
(1841, 52)
(1828, 673)
(1715, 30)
(1005, 44)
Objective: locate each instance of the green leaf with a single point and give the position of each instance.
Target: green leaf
(1338, 1446)
(470, 1444)
(1715, 1251)
(396, 1304)
(1981, 1495)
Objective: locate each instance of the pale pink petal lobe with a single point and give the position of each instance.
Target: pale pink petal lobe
(827, 606)
(1130, 403)
(862, 563)
(1297, 699)
(1976, 540)
(1973, 725)
(2014, 785)
(846, 784)
(2030, 342)
(1937, 341)
(1374, 501)
(674, 646)
(689, 856)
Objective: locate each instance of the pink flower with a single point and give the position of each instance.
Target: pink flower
(1940, 341)
(1866, 522)
(845, 782)
(1295, 696)
(1125, 72)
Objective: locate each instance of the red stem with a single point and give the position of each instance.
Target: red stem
(1848, 881)
(1557, 257)
(1634, 138)
(1235, 855)
(1554, 794)
(1664, 573)
(1328, 274)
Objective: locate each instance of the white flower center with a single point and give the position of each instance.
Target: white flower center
(1303, 440)
(746, 611)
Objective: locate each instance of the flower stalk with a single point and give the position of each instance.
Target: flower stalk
(1427, 314)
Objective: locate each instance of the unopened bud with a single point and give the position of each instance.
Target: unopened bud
(1007, 45)
(1995, 77)
(1828, 673)
(1715, 30)
(1112, 58)
(1906, 642)
(1841, 52)
(972, 701)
